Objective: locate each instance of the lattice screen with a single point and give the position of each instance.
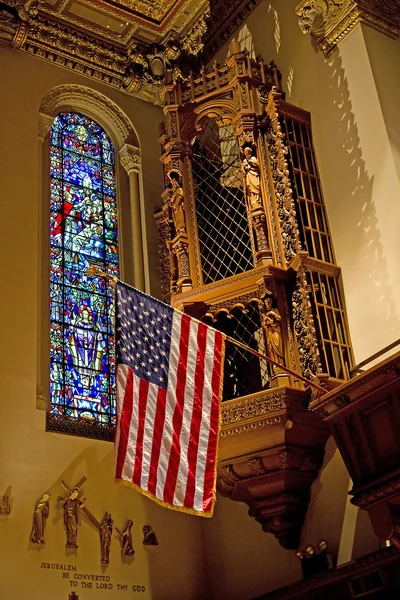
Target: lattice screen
(331, 326)
(222, 220)
(307, 192)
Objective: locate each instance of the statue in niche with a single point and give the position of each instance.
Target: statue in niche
(177, 200)
(71, 506)
(271, 320)
(39, 519)
(150, 538)
(251, 170)
(126, 540)
(106, 527)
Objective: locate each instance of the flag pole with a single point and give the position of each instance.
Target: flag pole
(272, 362)
(95, 270)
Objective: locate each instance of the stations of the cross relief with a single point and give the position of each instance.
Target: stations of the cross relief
(73, 505)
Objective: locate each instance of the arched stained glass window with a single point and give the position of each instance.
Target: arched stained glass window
(83, 232)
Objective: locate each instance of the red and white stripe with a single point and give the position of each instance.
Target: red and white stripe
(166, 440)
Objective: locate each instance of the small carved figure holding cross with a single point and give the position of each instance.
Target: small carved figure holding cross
(71, 505)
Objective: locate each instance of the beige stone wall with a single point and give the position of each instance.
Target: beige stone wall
(31, 460)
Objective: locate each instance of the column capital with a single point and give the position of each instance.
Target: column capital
(130, 158)
(45, 123)
(329, 22)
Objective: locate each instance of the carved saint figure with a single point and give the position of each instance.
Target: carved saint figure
(126, 540)
(252, 173)
(177, 204)
(307, 13)
(150, 538)
(39, 519)
(272, 327)
(106, 528)
(71, 506)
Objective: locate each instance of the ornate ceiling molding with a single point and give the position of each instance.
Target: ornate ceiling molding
(109, 41)
(330, 21)
(94, 105)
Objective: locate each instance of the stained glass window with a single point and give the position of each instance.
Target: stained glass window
(83, 232)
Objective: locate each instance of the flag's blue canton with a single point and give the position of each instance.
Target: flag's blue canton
(143, 334)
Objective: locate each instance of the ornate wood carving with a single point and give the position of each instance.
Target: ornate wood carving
(364, 417)
(280, 176)
(330, 22)
(275, 473)
(168, 274)
(304, 328)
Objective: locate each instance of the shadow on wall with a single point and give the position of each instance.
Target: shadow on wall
(353, 218)
(320, 86)
(328, 500)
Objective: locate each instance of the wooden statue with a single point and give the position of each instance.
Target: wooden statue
(273, 336)
(252, 173)
(39, 519)
(177, 200)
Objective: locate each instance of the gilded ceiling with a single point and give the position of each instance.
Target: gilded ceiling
(147, 21)
(129, 44)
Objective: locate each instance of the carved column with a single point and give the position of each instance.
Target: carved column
(246, 131)
(168, 268)
(176, 192)
(304, 328)
(282, 189)
(130, 160)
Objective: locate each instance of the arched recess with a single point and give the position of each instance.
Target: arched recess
(133, 254)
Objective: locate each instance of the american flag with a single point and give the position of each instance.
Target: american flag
(169, 386)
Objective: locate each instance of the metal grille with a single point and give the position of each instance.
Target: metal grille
(222, 218)
(311, 216)
(244, 373)
(331, 325)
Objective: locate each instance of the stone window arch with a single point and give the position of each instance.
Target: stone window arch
(133, 256)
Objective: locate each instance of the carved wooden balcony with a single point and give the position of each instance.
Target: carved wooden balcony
(245, 246)
(363, 416)
(270, 452)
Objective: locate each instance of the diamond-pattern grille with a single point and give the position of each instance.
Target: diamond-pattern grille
(244, 373)
(222, 218)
